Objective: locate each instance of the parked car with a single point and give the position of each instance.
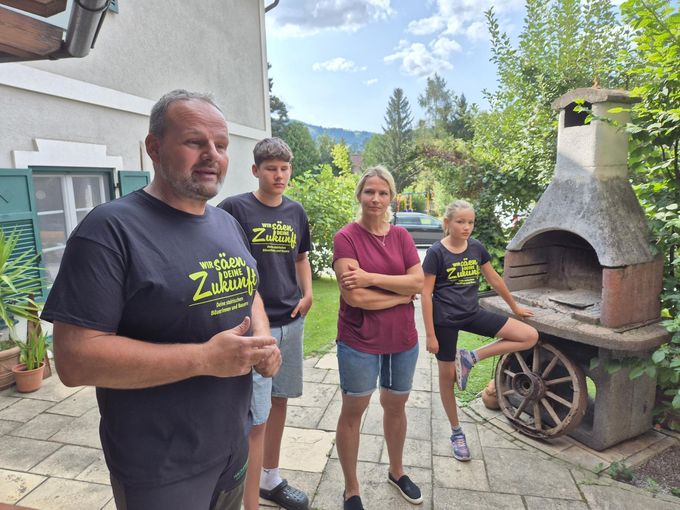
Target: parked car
(424, 229)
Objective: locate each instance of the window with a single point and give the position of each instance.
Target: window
(62, 201)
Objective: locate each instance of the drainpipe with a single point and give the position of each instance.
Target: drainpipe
(86, 19)
(271, 6)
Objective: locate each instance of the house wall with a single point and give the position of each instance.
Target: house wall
(145, 50)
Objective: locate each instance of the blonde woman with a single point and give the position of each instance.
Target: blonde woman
(378, 272)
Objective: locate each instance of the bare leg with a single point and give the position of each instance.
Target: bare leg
(447, 376)
(394, 426)
(347, 440)
(251, 495)
(514, 336)
(274, 433)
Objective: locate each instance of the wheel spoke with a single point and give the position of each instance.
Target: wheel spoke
(521, 407)
(522, 363)
(509, 392)
(551, 411)
(559, 399)
(537, 359)
(538, 424)
(509, 373)
(550, 366)
(560, 380)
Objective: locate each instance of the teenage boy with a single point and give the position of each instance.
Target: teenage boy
(278, 231)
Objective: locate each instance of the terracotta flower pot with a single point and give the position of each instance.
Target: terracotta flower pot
(9, 358)
(28, 380)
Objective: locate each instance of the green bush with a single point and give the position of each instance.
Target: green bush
(329, 202)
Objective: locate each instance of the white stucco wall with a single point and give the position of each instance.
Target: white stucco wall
(145, 50)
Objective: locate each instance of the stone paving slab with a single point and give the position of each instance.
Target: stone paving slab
(450, 473)
(520, 472)
(61, 494)
(474, 500)
(376, 492)
(68, 461)
(305, 450)
(24, 410)
(83, 431)
(51, 390)
(43, 426)
(77, 404)
(609, 498)
(21, 454)
(536, 503)
(14, 485)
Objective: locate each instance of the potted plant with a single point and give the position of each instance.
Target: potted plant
(20, 280)
(28, 374)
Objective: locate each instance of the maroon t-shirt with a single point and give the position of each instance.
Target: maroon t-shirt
(377, 331)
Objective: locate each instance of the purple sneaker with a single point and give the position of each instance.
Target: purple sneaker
(460, 447)
(464, 363)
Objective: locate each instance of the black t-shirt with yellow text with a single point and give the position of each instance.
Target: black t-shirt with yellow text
(457, 281)
(139, 268)
(277, 235)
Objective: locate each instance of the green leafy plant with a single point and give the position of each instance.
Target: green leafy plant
(619, 471)
(329, 202)
(33, 349)
(20, 280)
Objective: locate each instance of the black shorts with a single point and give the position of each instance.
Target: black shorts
(482, 322)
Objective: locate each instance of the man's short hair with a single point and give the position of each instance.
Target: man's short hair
(160, 109)
(272, 148)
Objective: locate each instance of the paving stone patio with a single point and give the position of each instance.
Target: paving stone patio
(50, 458)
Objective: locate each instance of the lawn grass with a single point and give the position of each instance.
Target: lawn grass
(322, 320)
(483, 371)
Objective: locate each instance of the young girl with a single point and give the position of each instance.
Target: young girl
(452, 267)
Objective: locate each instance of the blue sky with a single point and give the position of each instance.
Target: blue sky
(336, 62)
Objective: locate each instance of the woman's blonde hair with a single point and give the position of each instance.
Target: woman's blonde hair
(453, 208)
(385, 175)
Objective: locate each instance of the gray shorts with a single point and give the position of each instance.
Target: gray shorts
(287, 383)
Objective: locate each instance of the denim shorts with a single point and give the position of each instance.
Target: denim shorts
(287, 382)
(359, 371)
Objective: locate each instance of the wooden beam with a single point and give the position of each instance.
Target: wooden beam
(21, 35)
(44, 8)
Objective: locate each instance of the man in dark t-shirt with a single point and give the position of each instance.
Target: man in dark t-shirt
(163, 317)
(278, 232)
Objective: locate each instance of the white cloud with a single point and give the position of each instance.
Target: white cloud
(298, 18)
(477, 31)
(425, 26)
(417, 60)
(370, 82)
(461, 16)
(337, 64)
(443, 47)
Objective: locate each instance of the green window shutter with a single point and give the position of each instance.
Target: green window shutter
(18, 211)
(131, 180)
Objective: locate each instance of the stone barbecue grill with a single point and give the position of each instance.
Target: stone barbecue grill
(582, 262)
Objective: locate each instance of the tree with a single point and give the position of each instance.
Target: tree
(373, 152)
(329, 201)
(397, 140)
(563, 45)
(652, 67)
(438, 105)
(462, 119)
(324, 145)
(305, 155)
(277, 109)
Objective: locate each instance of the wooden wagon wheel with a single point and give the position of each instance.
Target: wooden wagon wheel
(541, 391)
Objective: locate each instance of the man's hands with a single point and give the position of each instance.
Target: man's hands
(229, 353)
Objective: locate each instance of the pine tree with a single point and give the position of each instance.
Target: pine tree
(397, 140)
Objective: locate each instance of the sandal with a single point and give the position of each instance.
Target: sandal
(286, 496)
